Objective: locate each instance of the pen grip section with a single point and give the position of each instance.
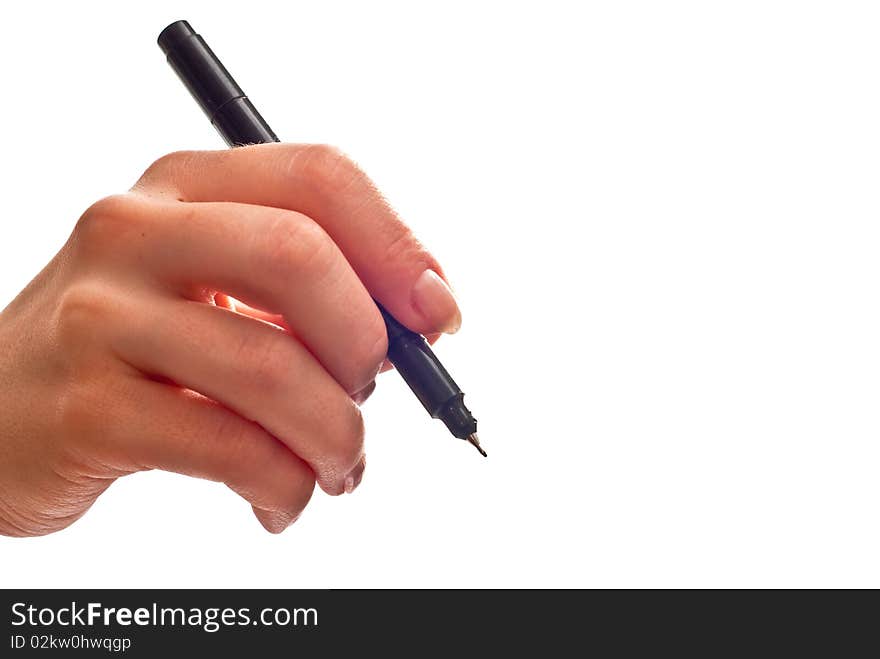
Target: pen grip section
(429, 380)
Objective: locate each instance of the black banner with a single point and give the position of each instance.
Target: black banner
(172, 623)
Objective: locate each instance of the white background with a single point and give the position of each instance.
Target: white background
(662, 223)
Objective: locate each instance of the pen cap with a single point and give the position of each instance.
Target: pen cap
(213, 88)
(198, 68)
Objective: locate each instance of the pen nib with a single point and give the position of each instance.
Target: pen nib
(473, 439)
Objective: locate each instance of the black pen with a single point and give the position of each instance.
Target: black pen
(237, 120)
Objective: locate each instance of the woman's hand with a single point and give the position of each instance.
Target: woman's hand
(130, 351)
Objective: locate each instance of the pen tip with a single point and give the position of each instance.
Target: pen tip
(473, 439)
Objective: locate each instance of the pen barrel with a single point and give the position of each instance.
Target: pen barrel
(429, 380)
(239, 123)
(213, 88)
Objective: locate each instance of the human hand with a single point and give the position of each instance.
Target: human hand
(130, 350)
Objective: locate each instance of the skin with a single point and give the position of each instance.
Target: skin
(216, 321)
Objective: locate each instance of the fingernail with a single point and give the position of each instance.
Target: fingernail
(355, 476)
(433, 299)
(361, 396)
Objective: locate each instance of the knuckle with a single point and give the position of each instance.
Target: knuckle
(225, 430)
(368, 352)
(78, 413)
(82, 308)
(165, 169)
(327, 168)
(271, 361)
(188, 214)
(101, 220)
(401, 246)
(234, 438)
(293, 248)
(345, 448)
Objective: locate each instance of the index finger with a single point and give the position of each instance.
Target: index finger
(324, 184)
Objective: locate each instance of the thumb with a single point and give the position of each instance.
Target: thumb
(413, 289)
